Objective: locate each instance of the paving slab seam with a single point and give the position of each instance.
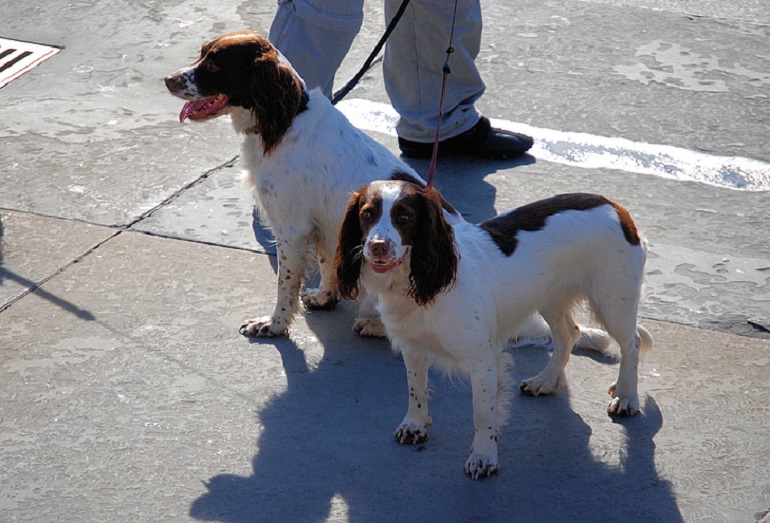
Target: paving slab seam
(176, 194)
(760, 332)
(128, 226)
(119, 229)
(61, 218)
(688, 12)
(36, 285)
(202, 242)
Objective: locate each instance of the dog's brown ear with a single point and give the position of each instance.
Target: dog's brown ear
(276, 94)
(350, 251)
(434, 255)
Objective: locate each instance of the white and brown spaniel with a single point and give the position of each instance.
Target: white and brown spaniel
(453, 293)
(302, 155)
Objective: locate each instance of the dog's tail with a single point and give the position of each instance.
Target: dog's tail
(645, 341)
(599, 340)
(537, 331)
(593, 339)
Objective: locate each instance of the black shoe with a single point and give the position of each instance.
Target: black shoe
(481, 140)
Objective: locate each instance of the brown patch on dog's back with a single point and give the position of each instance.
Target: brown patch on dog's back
(532, 217)
(628, 225)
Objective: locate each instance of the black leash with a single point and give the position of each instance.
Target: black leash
(339, 95)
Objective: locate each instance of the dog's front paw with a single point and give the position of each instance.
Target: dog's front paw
(542, 384)
(319, 300)
(369, 328)
(480, 465)
(620, 405)
(265, 327)
(411, 434)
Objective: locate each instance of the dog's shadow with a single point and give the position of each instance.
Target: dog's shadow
(326, 449)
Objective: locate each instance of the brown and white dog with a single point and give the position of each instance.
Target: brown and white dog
(302, 155)
(453, 293)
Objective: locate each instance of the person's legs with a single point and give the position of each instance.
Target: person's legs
(413, 67)
(315, 35)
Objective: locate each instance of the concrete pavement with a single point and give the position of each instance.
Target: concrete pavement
(129, 256)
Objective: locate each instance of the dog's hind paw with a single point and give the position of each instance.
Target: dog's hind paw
(480, 466)
(266, 327)
(319, 300)
(411, 434)
(369, 328)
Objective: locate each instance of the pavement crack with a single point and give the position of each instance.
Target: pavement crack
(179, 192)
(203, 242)
(36, 286)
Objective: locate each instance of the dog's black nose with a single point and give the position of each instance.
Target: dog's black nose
(379, 248)
(172, 83)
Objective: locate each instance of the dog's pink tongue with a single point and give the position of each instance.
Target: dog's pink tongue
(203, 109)
(190, 107)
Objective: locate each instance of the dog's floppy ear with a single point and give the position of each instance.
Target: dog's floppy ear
(349, 257)
(276, 94)
(434, 255)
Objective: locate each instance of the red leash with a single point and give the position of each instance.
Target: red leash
(447, 70)
(434, 156)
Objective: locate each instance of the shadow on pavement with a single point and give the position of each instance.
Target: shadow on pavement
(326, 450)
(461, 181)
(7, 274)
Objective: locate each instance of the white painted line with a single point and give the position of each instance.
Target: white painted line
(591, 151)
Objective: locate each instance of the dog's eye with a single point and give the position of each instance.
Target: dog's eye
(366, 216)
(211, 66)
(403, 219)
